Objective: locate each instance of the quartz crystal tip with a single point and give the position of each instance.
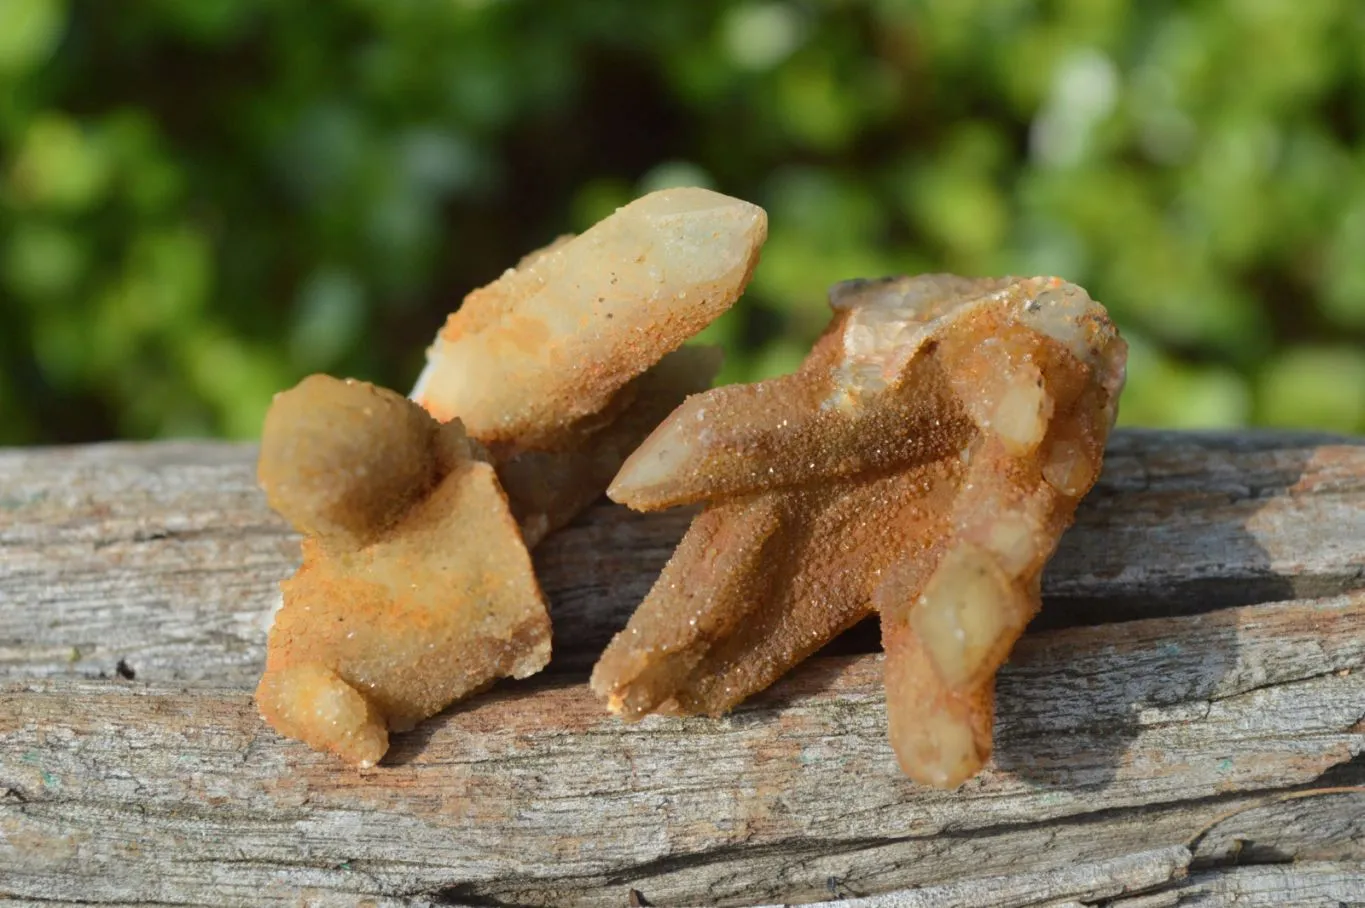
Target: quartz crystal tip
(552, 341)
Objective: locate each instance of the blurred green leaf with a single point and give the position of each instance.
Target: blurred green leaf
(1164, 392)
(61, 165)
(670, 174)
(29, 32)
(328, 321)
(758, 36)
(43, 260)
(1308, 387)
(203, 200)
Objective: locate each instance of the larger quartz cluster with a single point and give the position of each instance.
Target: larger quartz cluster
(922, 464)
(416, 587)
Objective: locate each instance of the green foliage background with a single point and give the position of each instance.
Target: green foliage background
(203, 200)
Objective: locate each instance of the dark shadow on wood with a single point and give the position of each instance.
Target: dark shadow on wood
(627, 553)
(1084, 584)
(1099, 749)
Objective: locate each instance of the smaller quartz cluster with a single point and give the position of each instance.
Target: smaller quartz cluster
(922, 464)
(416, 587)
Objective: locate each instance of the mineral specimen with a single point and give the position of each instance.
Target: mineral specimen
(416, 588)
(556, 366)
(922, 463)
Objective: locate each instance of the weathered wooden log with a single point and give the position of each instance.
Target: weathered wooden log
(165, 557)
(1187, 716)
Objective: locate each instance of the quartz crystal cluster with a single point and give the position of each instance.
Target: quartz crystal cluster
(416, 587)
(921, 464)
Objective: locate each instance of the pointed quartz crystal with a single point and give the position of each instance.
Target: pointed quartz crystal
(552, 342)
(565, 363)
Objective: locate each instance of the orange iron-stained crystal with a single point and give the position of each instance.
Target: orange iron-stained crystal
(922, 463)
(565, 363)
(416, 588)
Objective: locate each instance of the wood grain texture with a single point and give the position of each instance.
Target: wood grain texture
(1303, 885)
(165, 557)
(1062, 888)
(1184, 757)
(1112, 740)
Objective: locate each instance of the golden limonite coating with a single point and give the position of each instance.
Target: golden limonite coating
(922, 463)
(564, 364)
(416, 588)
